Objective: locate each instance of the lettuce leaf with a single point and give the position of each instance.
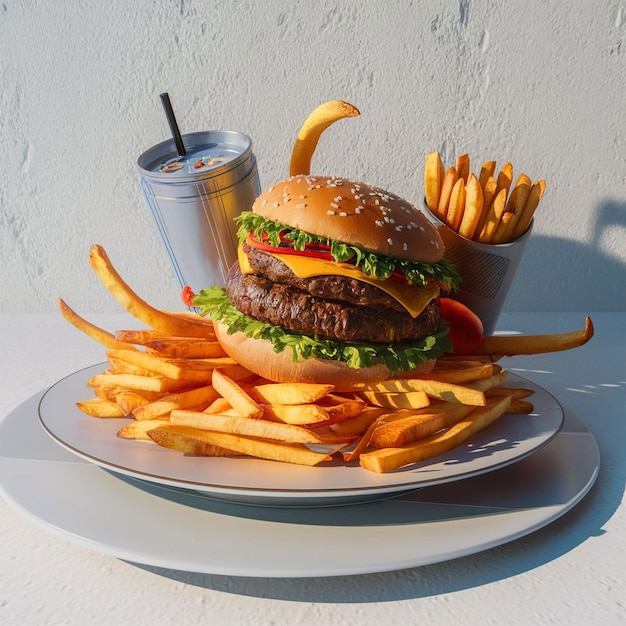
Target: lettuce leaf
(397, 357)
(444, 273)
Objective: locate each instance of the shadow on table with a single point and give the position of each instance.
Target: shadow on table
(558, 274)
(505, 561)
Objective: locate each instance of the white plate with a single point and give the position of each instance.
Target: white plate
(253, 481)
(184, 530)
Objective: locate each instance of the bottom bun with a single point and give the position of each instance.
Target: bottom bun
(258, 356)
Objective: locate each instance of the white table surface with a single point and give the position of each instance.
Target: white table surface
(570, 572)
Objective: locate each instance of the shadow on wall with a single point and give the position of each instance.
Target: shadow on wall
(584, 279)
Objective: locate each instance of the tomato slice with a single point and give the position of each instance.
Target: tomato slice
(187, 295)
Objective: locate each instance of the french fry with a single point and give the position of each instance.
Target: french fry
(128, 400)
(513, 210)
(137, 336)
(516, 393)
(535, 195)
(341, 408)
(449, 179)
(221, 405)
(485, 384)
(389, 459)
(505, 178)
(271, 450)
(262, 429)
(292, 393)
(100, 408)
(520, 407)
(433, 180)
(134, 382)
(119, 366)
(407, 399)
(139, 430)
(493, 217)
(100, 335)
(169, 403)
(297, 414)
(448, 392)
(190, 315)
(468, 372)
(473, 208)
(501, 234)
(456, 205)
(236, 396)
(363, 443)
(536, 344)
(185, 348)
(487, 171)
(359, 423)
(519, 194)
(159, 366)
(489, 194)
(463, 167)
(159, 320)
(315, 124)
(400, 432)
(187, 440)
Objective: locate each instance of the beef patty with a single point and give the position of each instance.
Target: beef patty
(334, 287)
(297, 309)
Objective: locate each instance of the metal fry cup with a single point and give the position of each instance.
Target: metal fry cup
(487, 271)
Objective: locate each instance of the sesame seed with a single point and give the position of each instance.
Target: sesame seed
(399, 227)
(343, 214)
(301, 206)
(330, 212)
(379, 223)
(404, 246)
(276, 204)
(390, 241)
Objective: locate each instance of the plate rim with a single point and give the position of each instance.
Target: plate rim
(284, 496)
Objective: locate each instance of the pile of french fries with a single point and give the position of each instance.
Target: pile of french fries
(487, 208)
(174, 385)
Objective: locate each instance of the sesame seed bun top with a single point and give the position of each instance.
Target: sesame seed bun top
(354, 213)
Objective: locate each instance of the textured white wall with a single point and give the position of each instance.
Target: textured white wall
(540, 84)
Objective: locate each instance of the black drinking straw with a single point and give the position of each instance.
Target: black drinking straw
(171, 120)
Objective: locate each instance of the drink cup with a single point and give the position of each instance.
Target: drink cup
(487, 271)
(194, 199)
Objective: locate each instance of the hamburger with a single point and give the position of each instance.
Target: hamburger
(336, 281)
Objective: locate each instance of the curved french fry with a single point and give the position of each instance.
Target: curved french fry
(308, 136)
(536, 344)
(159, 320)
(100, 335)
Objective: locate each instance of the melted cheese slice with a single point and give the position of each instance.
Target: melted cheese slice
(413, 299)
